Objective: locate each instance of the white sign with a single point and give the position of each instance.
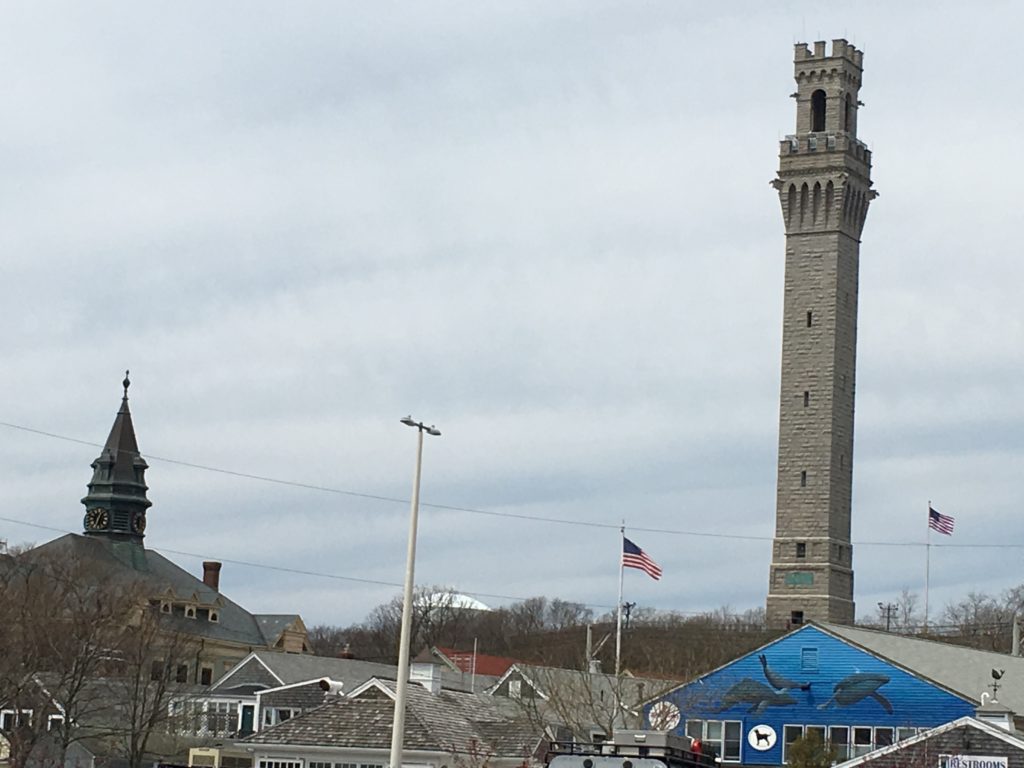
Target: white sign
(664, 716)
(762, 738)
(973, 761)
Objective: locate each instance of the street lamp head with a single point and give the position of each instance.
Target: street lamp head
(431, 430)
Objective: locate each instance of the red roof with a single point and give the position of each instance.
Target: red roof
(485, 664)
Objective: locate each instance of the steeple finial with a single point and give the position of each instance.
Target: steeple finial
(126, 383)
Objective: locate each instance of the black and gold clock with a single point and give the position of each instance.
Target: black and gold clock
(96, 519)
(138, 523)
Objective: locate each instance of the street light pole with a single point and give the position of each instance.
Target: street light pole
(402, 683)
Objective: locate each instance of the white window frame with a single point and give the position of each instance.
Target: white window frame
(785, 744)
(854, 746)
(272, 715)
(725, 727)
(16, 716)
(846, 745)
(716, 743)
(874, 735)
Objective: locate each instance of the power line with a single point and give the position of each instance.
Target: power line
(286, 569)
(486, 512)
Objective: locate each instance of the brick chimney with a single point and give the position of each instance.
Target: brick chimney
(211, 574)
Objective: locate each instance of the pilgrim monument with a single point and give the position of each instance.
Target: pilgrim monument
(824, 185)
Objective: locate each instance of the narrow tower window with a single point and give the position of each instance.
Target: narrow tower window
(801, 549)
(796, 618)
(803, 478)
(807, 398)
(848, 113)
(818, 110)
(810, 316)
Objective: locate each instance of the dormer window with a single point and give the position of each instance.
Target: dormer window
(215, 617)
(190, 611)
(165, 606)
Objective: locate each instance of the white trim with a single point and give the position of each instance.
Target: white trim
(242, 663)
(518, 668)
(966, 720)
(373, 682)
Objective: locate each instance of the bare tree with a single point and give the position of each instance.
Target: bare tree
(61, 625)
(150, 652)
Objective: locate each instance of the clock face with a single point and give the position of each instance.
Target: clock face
(139, 523)
(96, 519)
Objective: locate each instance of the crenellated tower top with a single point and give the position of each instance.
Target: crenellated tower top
(827, 87)
(824, 179)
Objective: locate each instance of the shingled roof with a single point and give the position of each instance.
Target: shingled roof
(125, 563)
(449, 721)
(288, 669)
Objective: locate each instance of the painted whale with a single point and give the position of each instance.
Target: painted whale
(758, 695)
(780, 682)
(863, 685)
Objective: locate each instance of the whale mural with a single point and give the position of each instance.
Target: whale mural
(857, 687)
(809, 679)
(758, 695)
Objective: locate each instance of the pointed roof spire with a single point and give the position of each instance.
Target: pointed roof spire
(116, 503)
(121, 442)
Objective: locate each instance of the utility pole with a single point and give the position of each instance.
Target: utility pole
(886, 609)
(626, 609)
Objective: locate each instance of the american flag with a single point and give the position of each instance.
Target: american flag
(634, 557)
(940, 522)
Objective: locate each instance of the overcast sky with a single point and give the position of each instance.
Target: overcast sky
(547, 228)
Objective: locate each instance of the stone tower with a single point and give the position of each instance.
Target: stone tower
(824, 185)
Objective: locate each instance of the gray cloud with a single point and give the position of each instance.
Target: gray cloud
(545, 227)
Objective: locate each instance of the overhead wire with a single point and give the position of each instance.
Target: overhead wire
(492, 513)
(444, 507)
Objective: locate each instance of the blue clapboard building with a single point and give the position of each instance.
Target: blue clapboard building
(860, 689)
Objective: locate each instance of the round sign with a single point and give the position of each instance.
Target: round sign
(761, 737)
(664, 716)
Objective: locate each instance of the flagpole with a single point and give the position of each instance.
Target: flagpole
(927, 562)
(618, 610)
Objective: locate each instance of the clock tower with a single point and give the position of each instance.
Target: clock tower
(115, 507)
(824, 185)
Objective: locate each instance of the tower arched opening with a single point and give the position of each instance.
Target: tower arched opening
(818, 110)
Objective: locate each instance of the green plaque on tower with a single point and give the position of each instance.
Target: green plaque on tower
(800, 579)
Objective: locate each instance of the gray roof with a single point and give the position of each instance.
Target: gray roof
(124, 562)
(965, 671)
(273, 624)
(1014, 739)
(290, 668)
(445, 722)
(580, 699)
